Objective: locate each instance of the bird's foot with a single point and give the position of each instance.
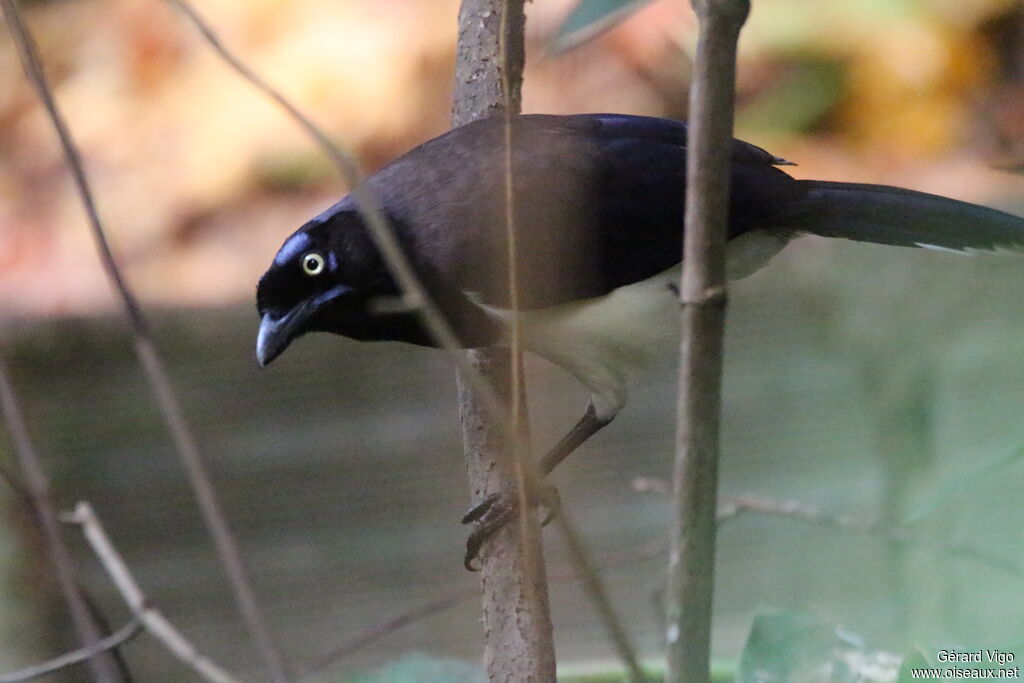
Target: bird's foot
(496, 510)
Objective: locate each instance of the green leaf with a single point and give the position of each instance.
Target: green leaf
(782, 643)
(792, 647)
(590, 18)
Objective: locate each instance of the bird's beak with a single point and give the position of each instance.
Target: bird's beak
(277, 333)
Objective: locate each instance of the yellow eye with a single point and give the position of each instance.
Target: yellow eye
(313, 263)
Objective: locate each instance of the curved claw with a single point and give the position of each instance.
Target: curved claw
(494, 511)
(472, 551)
(550, 499)
(490, 515)
(478, 511)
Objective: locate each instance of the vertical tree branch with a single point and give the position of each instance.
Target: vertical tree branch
(703, 290)
(153, 367)
(517, 623)
(37, 485)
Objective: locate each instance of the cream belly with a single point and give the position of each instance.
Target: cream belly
(607, 340)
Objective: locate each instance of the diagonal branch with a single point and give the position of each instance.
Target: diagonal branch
(155, 623)
(37, 489)
(729, 509)
(387, 627)
(732, 507)
(586, 571)
(415, 296)
(454, 596)
(472, 371)
(152, 363)
(68, 659)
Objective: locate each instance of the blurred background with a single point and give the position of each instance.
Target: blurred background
(877, 383)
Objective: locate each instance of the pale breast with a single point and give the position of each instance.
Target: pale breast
(605, 341)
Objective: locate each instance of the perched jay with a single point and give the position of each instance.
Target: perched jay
(598, 209)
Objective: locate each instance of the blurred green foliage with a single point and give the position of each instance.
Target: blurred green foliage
(419, 668)
(794, 647)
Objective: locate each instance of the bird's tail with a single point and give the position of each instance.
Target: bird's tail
(890, 215)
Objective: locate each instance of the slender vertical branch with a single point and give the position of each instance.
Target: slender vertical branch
(153, 367)
(37, 486)
(517, 623)
(519, 437)
(703, 290)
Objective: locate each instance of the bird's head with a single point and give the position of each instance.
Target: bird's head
(321, 280)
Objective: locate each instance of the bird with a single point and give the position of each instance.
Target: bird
(597, 207)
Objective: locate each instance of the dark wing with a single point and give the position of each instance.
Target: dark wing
(653, 129)
(598, 203)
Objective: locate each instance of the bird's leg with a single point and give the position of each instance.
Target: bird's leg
(497, 509)
(585, 427)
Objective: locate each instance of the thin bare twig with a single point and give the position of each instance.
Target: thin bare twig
(454, 596)
(510, 75)
(732, 507)
(216, 521)
(495, 420)
(650, 550)
(471, 372)
(40, 497)
(586, 570)
(111, 642)
(152, 363)
(703, 293)
(415, 296)
(375, 632)
(17, 487)
(155, 623)
(729, 508)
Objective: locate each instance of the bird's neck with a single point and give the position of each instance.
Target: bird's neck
(404, 327)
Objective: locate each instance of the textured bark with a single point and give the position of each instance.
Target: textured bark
(516, 619)
(695, 479)
(478, 68)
